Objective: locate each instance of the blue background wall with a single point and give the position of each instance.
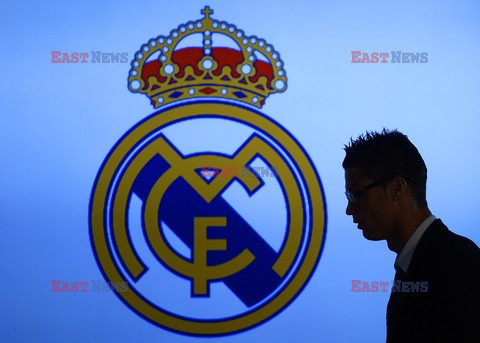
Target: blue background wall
(59, 121)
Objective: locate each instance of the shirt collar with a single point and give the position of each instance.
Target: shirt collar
(405, 256)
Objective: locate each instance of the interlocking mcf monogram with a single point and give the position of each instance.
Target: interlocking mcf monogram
(156, 220)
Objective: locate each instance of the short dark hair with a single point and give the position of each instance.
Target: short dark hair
(388, 153)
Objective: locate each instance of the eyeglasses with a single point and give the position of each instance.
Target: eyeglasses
(352, 195)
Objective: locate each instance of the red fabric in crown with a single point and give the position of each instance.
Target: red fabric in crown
(191, 57)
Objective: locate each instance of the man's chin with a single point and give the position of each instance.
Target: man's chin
(370, 236)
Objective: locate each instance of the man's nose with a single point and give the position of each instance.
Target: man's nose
(350, 209)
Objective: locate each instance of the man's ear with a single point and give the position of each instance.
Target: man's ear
(399, 188)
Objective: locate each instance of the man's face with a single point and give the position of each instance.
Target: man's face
(373, 211)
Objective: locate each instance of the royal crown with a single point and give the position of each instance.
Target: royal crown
(168, 74)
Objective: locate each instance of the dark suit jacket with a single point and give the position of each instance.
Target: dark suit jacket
(449, 311)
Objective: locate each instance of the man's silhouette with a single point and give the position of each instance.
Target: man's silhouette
(385, 180)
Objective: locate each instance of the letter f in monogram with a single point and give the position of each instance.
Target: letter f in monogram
(201, 246)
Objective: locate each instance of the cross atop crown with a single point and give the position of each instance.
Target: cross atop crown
(207, 11)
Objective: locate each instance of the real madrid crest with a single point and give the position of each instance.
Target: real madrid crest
(211, 211)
